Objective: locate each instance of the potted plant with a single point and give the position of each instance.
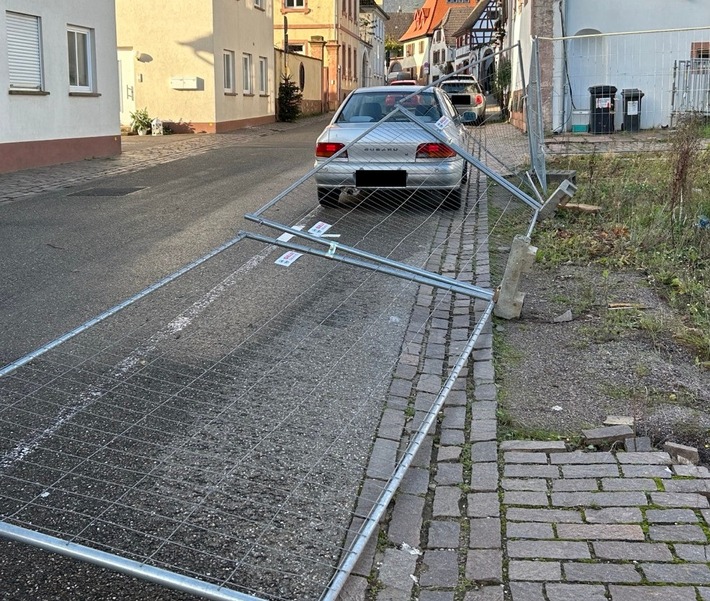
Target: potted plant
(140, 121)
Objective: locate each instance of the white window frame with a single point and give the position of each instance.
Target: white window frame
(229, 72)
(259, 3)
(247, 77)
(80, 40)
(295, 4)
(24, 52)
(263, 75)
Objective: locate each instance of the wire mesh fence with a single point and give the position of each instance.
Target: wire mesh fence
(602, 83)
(235, 434)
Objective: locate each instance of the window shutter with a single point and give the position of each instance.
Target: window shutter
(23, 49)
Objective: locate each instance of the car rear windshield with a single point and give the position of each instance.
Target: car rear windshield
(461, 87)
(373, 106)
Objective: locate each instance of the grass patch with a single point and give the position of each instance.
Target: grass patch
(653, 207)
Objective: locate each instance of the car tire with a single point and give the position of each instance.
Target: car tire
(452, 198)
(328, 197)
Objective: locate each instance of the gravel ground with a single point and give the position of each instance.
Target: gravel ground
(562, 377)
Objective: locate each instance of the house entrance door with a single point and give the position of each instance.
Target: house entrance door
(127, 84)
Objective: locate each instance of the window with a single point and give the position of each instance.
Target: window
(24, 52)
(259, 3)
(263, 75)
(246, 74)
(294, 3)
(229, 72)
(421, 46)
(297, 48)
(80, 59)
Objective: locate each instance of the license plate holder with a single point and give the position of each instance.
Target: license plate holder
(380, 178)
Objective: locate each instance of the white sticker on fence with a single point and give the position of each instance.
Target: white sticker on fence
(443, 122)
(286, 236)
(287, 258)
(320, 228)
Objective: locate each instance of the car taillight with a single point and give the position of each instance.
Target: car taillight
(434, 150)
(328, 149)
(479, 99)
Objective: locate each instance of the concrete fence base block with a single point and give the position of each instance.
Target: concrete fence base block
(509, 301)
(682, 453)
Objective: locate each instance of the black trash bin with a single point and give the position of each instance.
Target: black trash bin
(631, 99)
(602, 103)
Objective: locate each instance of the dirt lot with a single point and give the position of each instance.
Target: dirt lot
(557, 378)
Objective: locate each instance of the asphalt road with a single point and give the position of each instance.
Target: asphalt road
(66, 258)
(251, 387)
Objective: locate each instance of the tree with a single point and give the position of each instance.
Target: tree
(289, 101)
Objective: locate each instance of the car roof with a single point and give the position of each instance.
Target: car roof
(388, 89)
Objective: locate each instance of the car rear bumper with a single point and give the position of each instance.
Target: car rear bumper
(436, 175)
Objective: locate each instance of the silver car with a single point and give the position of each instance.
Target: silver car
(467, 96)
(398, 154)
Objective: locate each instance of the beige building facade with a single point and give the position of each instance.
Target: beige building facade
(201, 66)
(327, 31)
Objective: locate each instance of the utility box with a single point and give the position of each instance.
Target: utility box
(602, 104)
(631, 99)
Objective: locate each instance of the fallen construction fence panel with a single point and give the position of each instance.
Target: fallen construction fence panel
(214, 433)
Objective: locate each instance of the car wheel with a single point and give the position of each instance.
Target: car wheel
(452, 198)
(328, 197)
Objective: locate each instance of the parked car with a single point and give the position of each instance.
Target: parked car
(398, 154)
(403, 82)
(467, 96)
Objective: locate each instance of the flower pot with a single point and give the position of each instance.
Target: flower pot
(142, 131)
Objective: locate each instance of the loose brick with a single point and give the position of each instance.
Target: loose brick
(600, 532)
(525, 549)
(631, 551)
(680, 450)
(536, 571)
(679, 573)
(607, 434)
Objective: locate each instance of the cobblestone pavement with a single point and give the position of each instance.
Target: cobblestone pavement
(138, 152)
(479, 520)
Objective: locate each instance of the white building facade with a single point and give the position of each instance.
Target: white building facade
(58, 67)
